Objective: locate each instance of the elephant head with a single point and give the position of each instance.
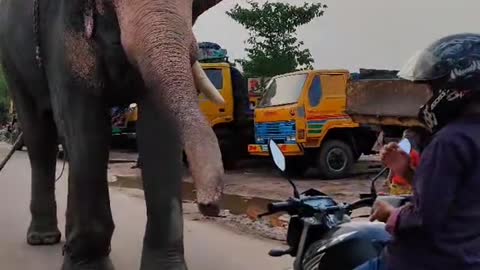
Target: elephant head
(158, 40)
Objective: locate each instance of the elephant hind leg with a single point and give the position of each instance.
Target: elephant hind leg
(40, 138)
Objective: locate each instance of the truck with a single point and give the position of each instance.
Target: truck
(304, 112)
(390, 105)
(232, 122)
(256, 87)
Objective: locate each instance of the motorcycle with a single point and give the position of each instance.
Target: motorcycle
(321, 234)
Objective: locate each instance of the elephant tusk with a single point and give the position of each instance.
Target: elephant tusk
(205, 86)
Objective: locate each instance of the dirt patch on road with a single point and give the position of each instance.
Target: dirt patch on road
(241, 223)
(247, 192)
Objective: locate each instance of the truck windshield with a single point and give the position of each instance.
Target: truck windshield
(283, 90)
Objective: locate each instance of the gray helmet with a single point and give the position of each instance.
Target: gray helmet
(451, 66)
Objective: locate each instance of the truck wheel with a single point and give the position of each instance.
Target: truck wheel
(335, 159)
(296, 167)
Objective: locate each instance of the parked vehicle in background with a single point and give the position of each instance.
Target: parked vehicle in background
(256, 88)
(304, 112)
(390, 104)
(232, 122)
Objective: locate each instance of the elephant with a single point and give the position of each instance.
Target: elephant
(66, 63)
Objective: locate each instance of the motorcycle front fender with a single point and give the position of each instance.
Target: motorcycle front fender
(350, 245)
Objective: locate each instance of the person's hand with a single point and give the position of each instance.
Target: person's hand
(395, 159)
(381, 211)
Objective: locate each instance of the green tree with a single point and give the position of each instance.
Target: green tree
(273, 47)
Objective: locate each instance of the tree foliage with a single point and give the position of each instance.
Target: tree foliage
(273, 47)
(4, 99)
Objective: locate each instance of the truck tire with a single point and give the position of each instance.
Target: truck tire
(335, 159)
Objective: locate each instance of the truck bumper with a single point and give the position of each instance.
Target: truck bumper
(287, 149)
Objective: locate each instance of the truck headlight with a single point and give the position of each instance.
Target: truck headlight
(291, 138)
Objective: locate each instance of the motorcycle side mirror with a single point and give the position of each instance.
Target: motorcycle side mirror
(406, 146)
(279, 160)
(277, 155)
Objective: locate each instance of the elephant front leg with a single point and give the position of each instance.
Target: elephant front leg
(41, 141)
(89, 223)
(161, 152)
(40, 135)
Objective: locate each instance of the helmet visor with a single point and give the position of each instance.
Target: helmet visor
(422, 66)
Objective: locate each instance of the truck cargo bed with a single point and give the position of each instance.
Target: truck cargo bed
(386, 101)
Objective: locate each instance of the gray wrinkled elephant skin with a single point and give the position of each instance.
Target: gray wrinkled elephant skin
(67, 62)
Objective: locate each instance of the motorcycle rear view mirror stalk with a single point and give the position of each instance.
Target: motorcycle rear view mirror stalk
(404, 146)
(280, 162)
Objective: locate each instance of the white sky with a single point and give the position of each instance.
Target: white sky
(356, 34)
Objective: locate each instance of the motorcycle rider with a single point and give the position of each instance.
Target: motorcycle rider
(440, 228)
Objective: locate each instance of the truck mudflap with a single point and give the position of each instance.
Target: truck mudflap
(386, 102)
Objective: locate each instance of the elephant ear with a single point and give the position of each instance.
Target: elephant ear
(200, 6)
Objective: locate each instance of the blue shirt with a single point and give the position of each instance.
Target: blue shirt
(441, 228)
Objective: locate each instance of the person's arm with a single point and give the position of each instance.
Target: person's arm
(442, 167)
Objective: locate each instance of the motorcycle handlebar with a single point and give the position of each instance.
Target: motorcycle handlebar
(367, 202)
(287, 206)
(280, 206)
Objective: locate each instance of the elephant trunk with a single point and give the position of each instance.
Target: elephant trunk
(158, 40)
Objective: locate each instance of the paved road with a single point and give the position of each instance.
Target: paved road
(208, 246)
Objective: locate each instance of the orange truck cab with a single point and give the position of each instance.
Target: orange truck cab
(304, 112)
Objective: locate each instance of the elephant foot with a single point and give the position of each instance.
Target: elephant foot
(99, 264)
(209, 210)
(43, 237)
(172, 259)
